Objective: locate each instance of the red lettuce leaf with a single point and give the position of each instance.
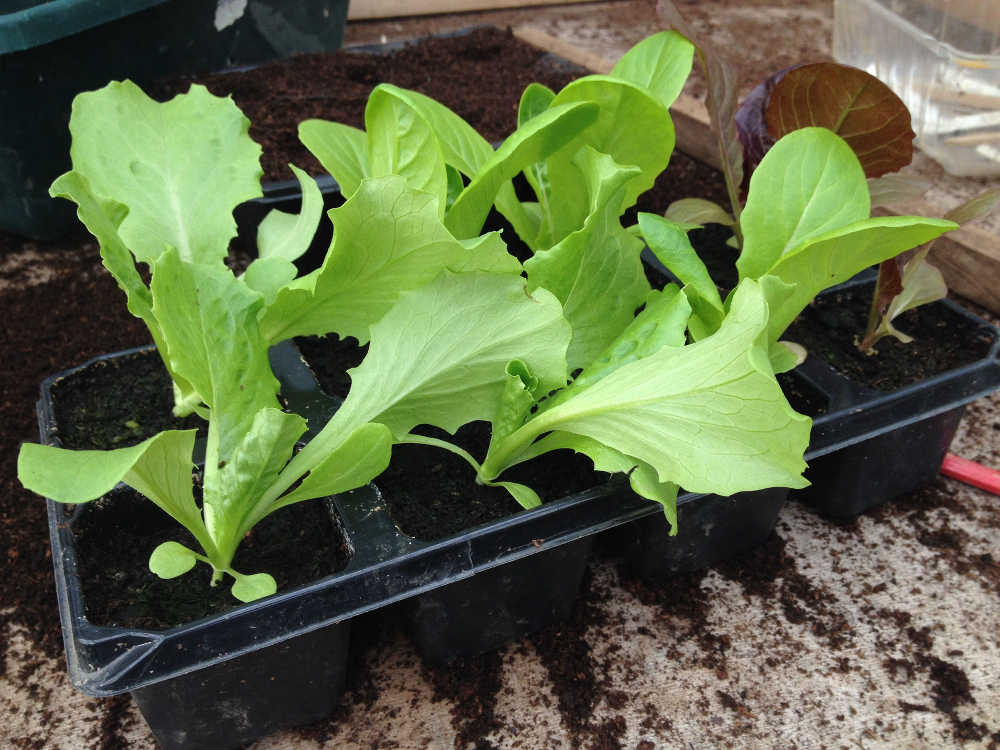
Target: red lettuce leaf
(852, 103)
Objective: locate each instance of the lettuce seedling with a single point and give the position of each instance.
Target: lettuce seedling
(806, 224)
(592, 265)
(806, 227)
(167, 203)
(613, 131)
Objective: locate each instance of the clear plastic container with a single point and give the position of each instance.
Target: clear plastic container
(942, 57)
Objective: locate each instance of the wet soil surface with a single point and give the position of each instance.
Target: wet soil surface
(943, 339)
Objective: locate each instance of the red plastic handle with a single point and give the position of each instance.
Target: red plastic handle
(972, 473)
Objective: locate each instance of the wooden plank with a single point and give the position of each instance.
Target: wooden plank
(969, 258)
(543, 40)
(360, 10)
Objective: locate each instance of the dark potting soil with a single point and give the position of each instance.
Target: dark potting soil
(94, 413)
(431, 493)
(114, 536)
(943, 340)
(329, 358)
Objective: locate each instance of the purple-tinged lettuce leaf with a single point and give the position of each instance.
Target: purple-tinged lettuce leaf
(720, 76)
(752, 126)
(916, 281)
(852, 103)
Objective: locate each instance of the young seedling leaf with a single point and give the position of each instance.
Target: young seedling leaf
(520, 392)
(598, 261)
(103, 217)
(387, 239)
(894, 189)
(835, 257)
(358, 460)
(535, 99)
(919, 283)
(661, 323)
(856, 105)
(287, 236)
(172, 559)
(668, 408)
(340, 149)
(462, 147)
(249, 588)
(923, 285)
(180, 166)
(537, 140)
(977, 208)
(695, 212)
(401, 142)
(269, 276)
(809, 183)
(647, 142)
(213, 340)
(526, 497)
(159, 467)
(440, 355)
(670, 244)
(232, 491)
(660, 63)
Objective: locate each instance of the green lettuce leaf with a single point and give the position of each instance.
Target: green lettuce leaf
(212, 340)
(359, 459)
(709, 416)
(150, 467)
(232, 491)
(180, 166)
(401, 142)
(809, 183)
(600, 261)
(633, 127)
(388, 238)
(440, 356)
(535, 141)
(670, 244)
(341, 149)
(287, 236)
(837, 256)
(660, 63)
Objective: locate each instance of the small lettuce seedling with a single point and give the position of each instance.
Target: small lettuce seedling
(806, 227)
(875, 123)
(167, 203)
(807, 223)
(592, 265)
(587, 151)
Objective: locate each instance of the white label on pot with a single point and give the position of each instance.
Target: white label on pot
(228, 12)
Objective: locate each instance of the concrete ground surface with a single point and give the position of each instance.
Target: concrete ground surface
(879, 633)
